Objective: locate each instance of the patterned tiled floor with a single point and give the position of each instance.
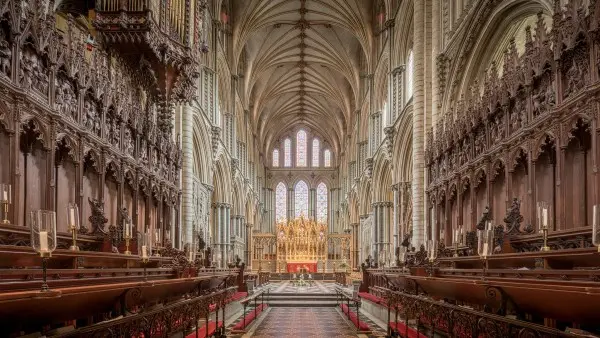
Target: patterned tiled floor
(315, 287)
(304, 322)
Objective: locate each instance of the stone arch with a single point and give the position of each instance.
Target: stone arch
(403, 33)
(222, 181)
(495, 30)
(202, 142)
(402, 153)
(382, 179)
(365, 198)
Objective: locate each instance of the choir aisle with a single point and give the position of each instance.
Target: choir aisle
(317, 309)
(303, 322)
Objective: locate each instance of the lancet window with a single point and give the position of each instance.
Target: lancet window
(287, 152)
(301, 199)
(280, 202)
(301, 149)
(276, 158)
(322, 203)
(315, 152)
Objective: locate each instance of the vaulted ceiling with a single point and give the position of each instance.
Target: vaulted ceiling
(302, 64)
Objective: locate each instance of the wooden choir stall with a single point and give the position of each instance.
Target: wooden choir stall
(514, 197)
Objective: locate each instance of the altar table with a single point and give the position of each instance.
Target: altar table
(296, 266)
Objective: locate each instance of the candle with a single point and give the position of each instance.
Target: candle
(157, 236)
(594, 220)
(191, 257)
(43, 241)
(144, 252)
(5, 196)
(545, 217)
(485, 249)
(72, 218)
(127, 230)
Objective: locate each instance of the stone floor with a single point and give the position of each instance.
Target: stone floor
(299, 319)
(304, 322)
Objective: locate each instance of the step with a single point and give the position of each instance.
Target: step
(307, 303)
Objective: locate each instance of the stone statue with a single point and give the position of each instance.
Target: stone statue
(97, 217)
(5, 56)
(513, 217)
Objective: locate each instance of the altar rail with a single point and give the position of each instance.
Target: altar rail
(459, 321)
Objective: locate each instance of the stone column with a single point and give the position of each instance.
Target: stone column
(249, 249)
(187, 173)
(222, 233)
(387, 227)
(354, 254)
(418, 132)
(375, 232)
(228, 232)
(396, 207)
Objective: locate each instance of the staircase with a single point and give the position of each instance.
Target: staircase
(301, 297)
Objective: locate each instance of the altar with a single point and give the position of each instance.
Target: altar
(295, 267)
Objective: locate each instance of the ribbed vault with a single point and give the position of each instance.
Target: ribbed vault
(303, 59)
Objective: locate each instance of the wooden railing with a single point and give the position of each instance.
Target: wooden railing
(164, 321)
(459, 321)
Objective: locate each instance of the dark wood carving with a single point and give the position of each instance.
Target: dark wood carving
(98, 218)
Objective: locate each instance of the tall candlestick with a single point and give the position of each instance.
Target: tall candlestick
(43, 241)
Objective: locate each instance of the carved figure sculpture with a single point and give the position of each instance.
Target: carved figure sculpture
(97, 218)
(513, 217)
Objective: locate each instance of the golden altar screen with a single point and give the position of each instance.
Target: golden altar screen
(301, 240)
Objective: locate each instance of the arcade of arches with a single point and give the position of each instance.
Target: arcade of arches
(438, 154)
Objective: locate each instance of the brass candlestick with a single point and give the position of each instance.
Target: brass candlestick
(5, 199)
(128, 233)
(545, 234)
(127, 239)
(5, 205)
(74, 247)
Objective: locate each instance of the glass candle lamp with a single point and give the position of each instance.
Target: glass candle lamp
(144, 245)
(73, 223)
(5, 200)
(485, 246)
(43, 237)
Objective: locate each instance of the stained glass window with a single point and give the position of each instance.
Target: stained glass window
(301, 199)
(327, 158)
(409, 77)
(315, 153)
(287, 149)
(301, 149)
(280, 202)
(276, 158)
(322, 203)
